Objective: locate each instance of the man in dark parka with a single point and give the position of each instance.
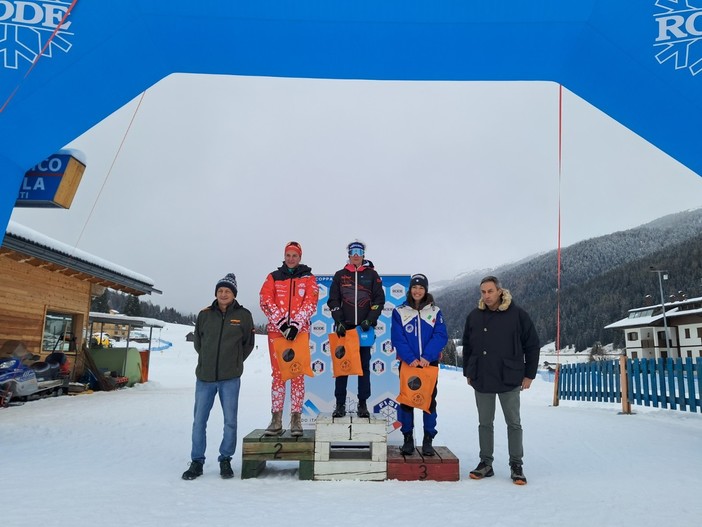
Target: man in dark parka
(500, 358)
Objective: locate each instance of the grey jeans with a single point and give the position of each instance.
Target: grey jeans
(509, 401)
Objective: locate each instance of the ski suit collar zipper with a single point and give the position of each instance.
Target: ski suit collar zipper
(355, 297)
(419, 332)
(290, 295)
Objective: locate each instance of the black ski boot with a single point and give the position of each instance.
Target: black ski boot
(340, 410)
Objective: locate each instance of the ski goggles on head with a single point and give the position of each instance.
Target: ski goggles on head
(356, 252)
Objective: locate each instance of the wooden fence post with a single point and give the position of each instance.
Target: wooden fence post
(556, 380)
(626, 405)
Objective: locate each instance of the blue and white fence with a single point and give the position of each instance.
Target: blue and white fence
(666, 383)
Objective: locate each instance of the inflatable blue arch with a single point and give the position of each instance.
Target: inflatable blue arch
(67, 64)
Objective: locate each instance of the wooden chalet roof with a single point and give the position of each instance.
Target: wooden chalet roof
(50, 256)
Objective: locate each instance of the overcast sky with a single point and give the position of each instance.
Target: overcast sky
(217, 173)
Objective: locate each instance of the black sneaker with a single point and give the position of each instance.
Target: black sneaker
(362, 410)
(225, 468)
(483, 470)
(194, 471)
(517, 474)
(339, 411)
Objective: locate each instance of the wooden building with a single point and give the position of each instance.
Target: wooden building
(47, 288)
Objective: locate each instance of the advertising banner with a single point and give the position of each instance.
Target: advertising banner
(52, 183)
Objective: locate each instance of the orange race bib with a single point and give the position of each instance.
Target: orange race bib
(293, 356)
(417, 386)
(346, 354)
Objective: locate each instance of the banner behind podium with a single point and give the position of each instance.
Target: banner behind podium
(319, 390)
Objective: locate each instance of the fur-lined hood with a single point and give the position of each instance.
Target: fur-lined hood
(504, 305)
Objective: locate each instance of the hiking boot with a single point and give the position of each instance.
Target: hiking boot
(483, 470)
(225, 468)
(407, 447)
(194, 471)
(362, 410)
(276, 425)
(517, 474)
(427, 448)
(339, 411)
(295, 424)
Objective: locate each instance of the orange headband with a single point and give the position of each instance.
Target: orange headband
(294, 246)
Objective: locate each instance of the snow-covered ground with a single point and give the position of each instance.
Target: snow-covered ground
(115, 458)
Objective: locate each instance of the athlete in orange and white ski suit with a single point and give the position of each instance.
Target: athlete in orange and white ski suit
(289, 300)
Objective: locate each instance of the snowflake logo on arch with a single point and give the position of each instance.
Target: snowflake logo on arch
(27, 30)
(679, 35)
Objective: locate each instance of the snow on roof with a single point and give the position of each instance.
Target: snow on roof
(678, 308)
(80, 156)
(652, 320)
(635, 322)
(30, 235)
(124, 319)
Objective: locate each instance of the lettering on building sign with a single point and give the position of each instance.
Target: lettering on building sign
(53, 164)
(35, 183)
(52, 182)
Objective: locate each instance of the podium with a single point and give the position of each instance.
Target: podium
(442, 466)
(350, 447)
(257, 448)
(346, 448)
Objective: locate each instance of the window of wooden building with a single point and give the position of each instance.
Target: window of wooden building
(60, 330)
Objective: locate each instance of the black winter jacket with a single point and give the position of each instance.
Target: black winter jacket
(500, 347)
(356, 295)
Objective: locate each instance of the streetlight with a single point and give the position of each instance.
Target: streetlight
(663, 275)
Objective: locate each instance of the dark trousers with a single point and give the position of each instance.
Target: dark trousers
(364, 387)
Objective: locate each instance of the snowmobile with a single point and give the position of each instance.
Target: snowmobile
(23, 377)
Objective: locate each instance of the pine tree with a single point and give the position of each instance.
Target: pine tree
(597, 352)
(100, 304)
(449, 354)
(132, 307)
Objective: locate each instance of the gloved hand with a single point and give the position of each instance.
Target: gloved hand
(290, 331)
(340, 330)
(365, 325)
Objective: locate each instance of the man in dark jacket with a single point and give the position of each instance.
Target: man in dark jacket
(500, 358)
(356, 298)
(224, 338)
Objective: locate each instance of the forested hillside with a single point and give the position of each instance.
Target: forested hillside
(132, 306)
(601, 279)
